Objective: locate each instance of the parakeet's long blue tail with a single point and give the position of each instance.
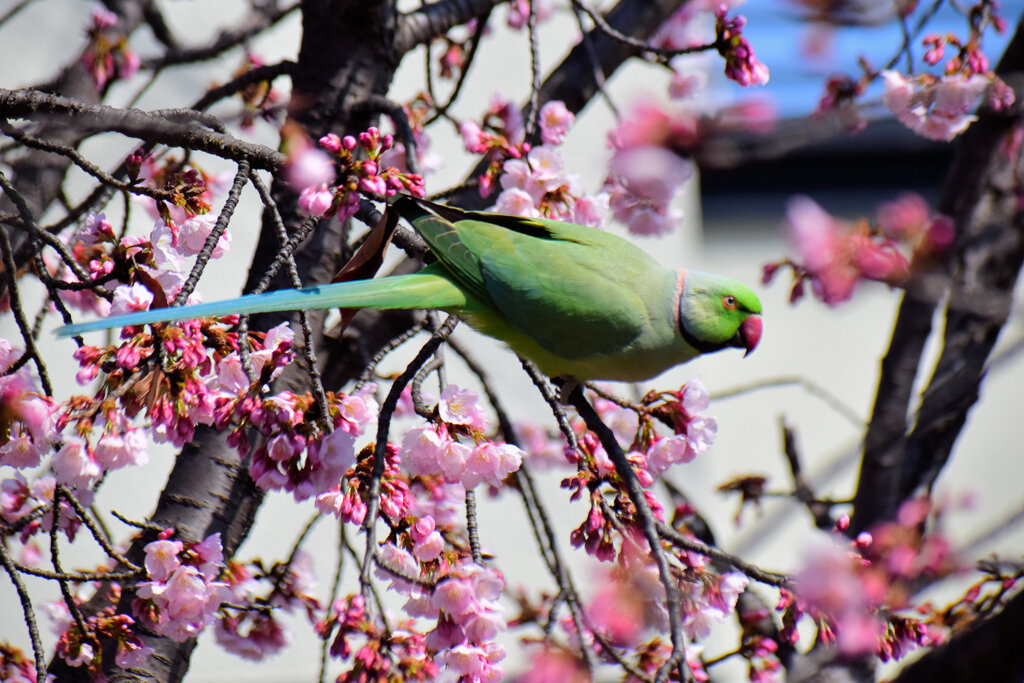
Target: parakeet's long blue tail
(419, 290)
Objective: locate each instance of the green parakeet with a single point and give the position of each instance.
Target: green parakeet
(578, 302)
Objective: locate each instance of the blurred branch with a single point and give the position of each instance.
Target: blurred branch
(261, 17)
(812, 388)
(802, 490)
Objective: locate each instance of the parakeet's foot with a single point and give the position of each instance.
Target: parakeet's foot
(566, 386)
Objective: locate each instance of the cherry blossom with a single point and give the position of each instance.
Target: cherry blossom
(935, 108)
(194, 232)
(555, 121)
(641, 184)
(835, 255)
(179, 605)
(131, 298)
(310, 167)
(460, 407)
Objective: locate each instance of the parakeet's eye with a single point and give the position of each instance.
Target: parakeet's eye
(729, 302)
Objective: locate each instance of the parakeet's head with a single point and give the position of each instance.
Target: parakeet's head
(718, 312)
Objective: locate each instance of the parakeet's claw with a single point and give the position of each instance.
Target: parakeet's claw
(566, 386)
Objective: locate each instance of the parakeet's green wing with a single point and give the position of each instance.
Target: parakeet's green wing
(575, 292)
(436, 224)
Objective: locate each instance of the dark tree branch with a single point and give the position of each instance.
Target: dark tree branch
(978, 195)
(433, 21)
(266, 15)
(648, 525)
(149, 126)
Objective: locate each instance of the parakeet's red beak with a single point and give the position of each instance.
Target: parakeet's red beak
(750, 330)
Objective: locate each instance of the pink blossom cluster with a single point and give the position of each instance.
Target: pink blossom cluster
(544, 450)
(77, 649)
(710, 601)
(30, 431)
(465, 603)
(555, 120)
(108, 56)
(194, 388)
(20, 499)
(649, 456)
(398, 650)
(312, 172)
(434, 448)
(539, 185)
(443, 502)
(183, 596)
(834, 254)
(740, 63)
(856, 592)
(645, 173)
(628, 608)
(296, 454)
(15, 667)
(499, 136)
(694, 432)
(146, 269)
(431, 449)
(255, 635)
(935, 108)
(595, 535)
(192, 188)
(351, 505)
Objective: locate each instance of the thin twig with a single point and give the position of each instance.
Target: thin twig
(324, 649)
(283, 572)
(385, 350)
(648, 525)
(383, 428)
(3, 20)
(145, 526)
(753, 571)
(802, 490)
(287, 248)
(31, 351)
(241, 176)
(664, 53)
(531, 117)
(816, 390)
(98, 534)
(472, 528)
(27, 611)
(599, 79)
(90, 168)
(65, 589)
(474, 43)
(258, 20)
